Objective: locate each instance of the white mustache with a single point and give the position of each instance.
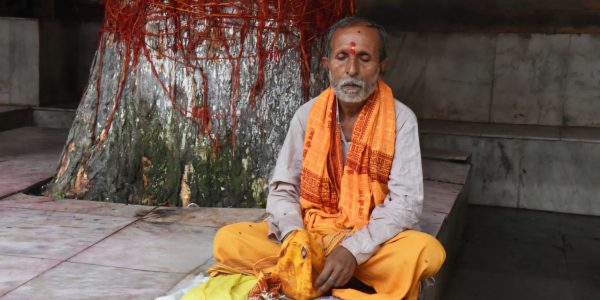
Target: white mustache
(353, 81)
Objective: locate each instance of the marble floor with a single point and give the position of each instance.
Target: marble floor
(523, 254)
(78, 249)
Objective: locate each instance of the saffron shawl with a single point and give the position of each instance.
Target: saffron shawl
(337, 197)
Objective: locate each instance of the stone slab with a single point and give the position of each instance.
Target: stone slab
(51, 234)
(53, 117)
(529, 132)
(498, 172)
(18, 270)
(443, 154)
(75, 206)
(445, 171)
(440, 196)
(588, 226)
(526, 245)
(482, 284)
(11, 108)
(5, 62)
(561, 177)
(583, 265)
(407, 56)
(19, 61)
(459, 77)
(83, 281)
(166, 247)
(580, 134)
(205, 216)
(519, 257)
(510, 225)
(431, 222)
(495, 171)
(14, 116)
(450, 127)
(25, 62)
(547, 168)
(581, 106)
(530, 78)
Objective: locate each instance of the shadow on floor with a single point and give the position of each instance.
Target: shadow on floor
(523, 254)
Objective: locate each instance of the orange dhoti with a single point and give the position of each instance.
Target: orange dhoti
(395, 271)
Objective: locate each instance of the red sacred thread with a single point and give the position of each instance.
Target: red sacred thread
(138, 27)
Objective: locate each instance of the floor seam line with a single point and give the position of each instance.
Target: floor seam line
(67, 259)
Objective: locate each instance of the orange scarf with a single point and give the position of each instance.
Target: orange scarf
(344, 195)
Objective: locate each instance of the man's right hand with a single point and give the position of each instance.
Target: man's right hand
(339, 269)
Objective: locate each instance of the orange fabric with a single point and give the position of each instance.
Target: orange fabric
(301, 260)
(346, 195)
(395, 271)
(337, 199)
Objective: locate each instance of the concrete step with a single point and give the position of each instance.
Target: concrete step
(51, 117)
(12, 116)
(448, 155)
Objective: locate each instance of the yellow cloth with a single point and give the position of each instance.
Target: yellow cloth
(395, 271)
(226, 287)
(345, 195)
(299, 264)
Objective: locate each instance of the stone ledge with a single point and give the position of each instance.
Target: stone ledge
(511, 131)
(12, 116)
(548, 168)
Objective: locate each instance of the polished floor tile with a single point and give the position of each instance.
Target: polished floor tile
(167, 247)
(53, 235)
(83, 281)
(75, 206)
(16, 270)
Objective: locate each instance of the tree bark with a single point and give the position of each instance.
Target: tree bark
(160, 147)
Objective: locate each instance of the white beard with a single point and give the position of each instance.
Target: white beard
(366, 89)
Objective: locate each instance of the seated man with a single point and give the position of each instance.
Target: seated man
(350, 173)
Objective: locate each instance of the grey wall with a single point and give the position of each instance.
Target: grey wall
(67, 52)
(45, 62)
(542, 79)
(19, 61)
(543, 174)
(542, 16)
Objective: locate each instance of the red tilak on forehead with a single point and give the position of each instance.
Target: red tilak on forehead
(352, 47)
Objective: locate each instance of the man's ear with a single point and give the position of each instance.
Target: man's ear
(325, 63)
(383, 66)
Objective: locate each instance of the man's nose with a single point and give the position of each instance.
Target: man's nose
(352, 66)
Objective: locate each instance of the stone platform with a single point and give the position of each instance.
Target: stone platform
(76, 249)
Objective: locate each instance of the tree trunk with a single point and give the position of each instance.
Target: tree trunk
(196, 116)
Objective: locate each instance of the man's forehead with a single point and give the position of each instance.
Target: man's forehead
(356, 35)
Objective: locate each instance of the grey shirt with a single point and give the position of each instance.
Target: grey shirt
(399, 211)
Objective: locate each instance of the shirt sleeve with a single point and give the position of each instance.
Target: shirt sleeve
(402, 207)
(283, 203)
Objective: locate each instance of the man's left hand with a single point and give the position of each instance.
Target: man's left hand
(338, 270)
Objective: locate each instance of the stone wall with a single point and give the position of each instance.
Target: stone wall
(45, 62)
(541, 16)
(542, 79)
(543, 173)
(19, 61)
